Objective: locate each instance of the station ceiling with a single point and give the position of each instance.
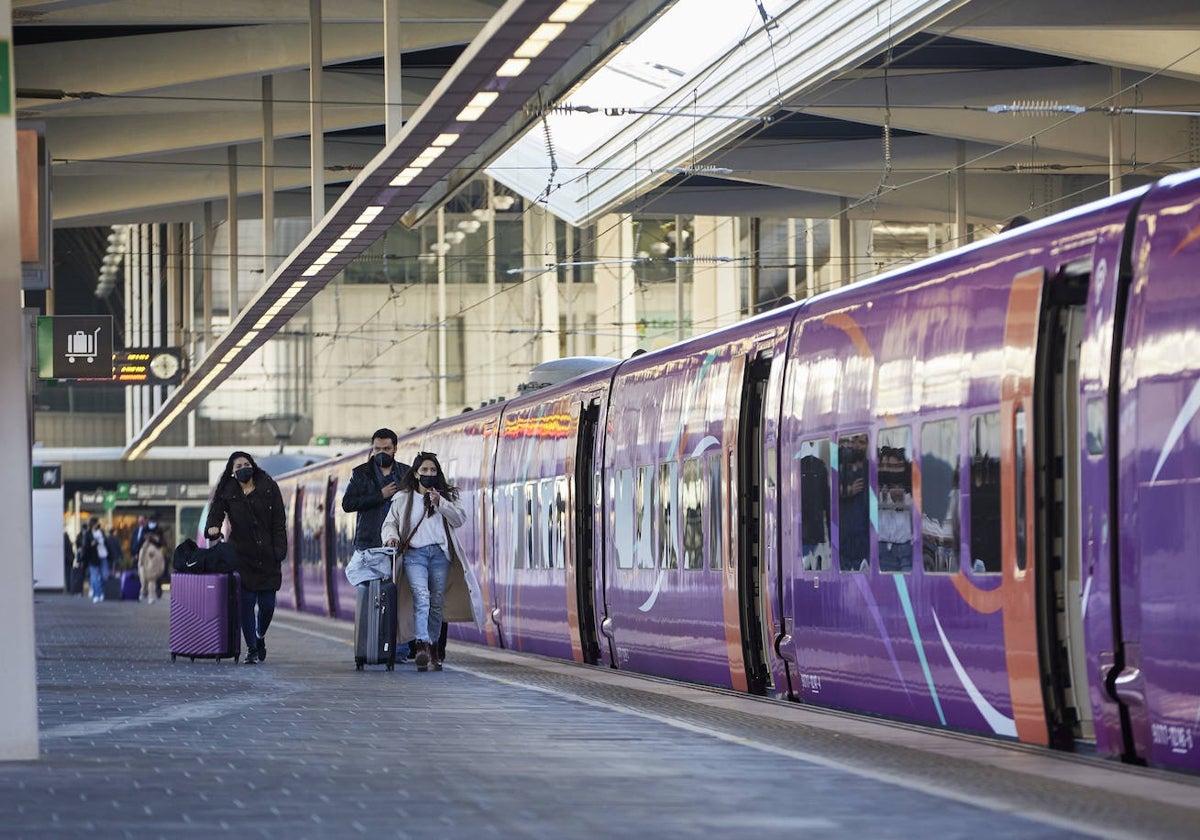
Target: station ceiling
(141, 99)
(1037, 106)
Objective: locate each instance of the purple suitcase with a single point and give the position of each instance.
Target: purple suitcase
(204, 616)
(131, 585)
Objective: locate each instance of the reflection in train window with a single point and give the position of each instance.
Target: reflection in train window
(547, 532)
(1097, 423)
(815, 509)
(984, 493)
(623, 519)
(529, 526)
(558, 527)
(515, 540)
(939, 496)
(895, 500)
(1019, 467)
(714, 510)
(644, 512)
(668, 511)
(854, 534)
(692, 498)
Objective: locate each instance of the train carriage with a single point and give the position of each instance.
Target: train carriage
(961, 495)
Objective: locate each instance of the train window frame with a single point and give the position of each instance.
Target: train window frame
(815, 556)
(692, 501)
(895, 505)
(846, 535)
(545, 520)
(983, 459)
(562, 496)
(941, 522)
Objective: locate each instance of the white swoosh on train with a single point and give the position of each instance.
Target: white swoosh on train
(1190, 407)
(649, 604)
(707, 442)
(1000, 724)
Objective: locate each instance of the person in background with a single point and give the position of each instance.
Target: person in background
(136, 536)
(93, 552)
(150, 561)
(895, 510)
(258, 531)
(420, 517)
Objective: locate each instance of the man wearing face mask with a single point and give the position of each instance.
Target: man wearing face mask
(370, 491)
(258, 531)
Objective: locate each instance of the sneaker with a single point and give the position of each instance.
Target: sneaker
(251, 658)
(95, 599)
(262, 649)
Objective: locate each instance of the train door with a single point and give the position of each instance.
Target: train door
(751, 583)
(1060, 587)
(296, 540)
(584, 497)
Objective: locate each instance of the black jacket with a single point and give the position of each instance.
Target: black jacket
(364, 496)
(257, 529)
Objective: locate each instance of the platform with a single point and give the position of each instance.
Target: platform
(502, 745)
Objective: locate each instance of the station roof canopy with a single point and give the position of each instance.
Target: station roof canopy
(773, 108)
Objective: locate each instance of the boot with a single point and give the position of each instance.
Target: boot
(422, 657)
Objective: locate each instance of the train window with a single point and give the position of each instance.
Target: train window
(644, 517)
(1097, 423)
(714, 508)
(895, 499)
(623, 519)
(692, 498)
(545, 519)
(854, 535)
(815, 508)
(529, 527)
(939, 496)
(668, 511)
(559, 556)
(983, 493)
(516, 500)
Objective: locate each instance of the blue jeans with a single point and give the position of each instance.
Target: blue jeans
(426, 569)
(895, 556)
(97, 574)
(252, 629)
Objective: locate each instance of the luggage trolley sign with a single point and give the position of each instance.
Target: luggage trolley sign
(75, 347)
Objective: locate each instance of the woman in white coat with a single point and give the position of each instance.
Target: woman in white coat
(420, 522)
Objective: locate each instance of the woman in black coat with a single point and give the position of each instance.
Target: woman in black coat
(258, 531)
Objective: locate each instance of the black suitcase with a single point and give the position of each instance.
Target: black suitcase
(112, 589)
(375, 624)
(75, 582)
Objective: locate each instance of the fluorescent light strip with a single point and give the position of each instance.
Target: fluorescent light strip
(513, 67)
(338, 245)
(247, 338)
(367, 216)
(428, 156)
(406, 176)
(569, 10)
(539, 40)
(445, 140)
(231, 355)
(312, 271)
(354, 230)
(479, 103)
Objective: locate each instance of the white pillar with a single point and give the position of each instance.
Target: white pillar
(393, 110)
(716, 292)
(316, 117)
(268, 176)
(616, 303)
(541, 250)
(18, 689)
(231, 213)
(441, 316)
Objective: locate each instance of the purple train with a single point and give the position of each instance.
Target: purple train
(965, 494)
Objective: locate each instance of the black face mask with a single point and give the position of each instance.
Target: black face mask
(244, 474)
(384, 460)
(429, 480)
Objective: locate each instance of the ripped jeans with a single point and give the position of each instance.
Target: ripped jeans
(426, 569)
